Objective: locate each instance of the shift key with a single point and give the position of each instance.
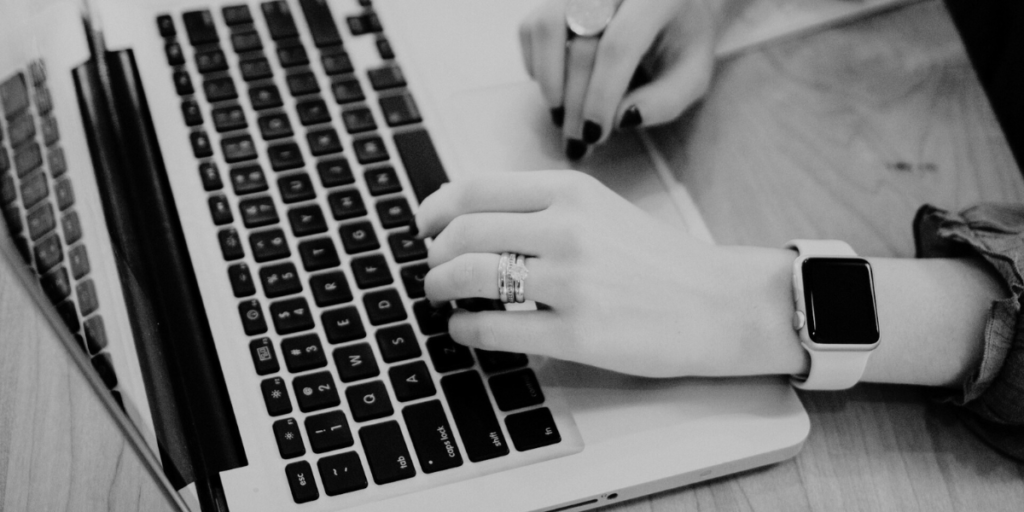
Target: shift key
(432, 436)
(474, 415)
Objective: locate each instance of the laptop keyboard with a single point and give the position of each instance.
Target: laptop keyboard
(324, 292)
(38, 203)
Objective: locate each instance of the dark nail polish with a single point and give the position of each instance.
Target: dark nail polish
(558, 116)
(591, 132)
(575, 149)
(631, 119)
(413, 230)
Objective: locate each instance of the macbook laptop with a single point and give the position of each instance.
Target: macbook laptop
(214, 196)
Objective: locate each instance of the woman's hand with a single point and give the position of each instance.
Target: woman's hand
(587, 82)
(622, 291)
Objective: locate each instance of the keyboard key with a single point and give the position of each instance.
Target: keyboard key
(8, 190)
(183, 83)
(371, 271)
(387, 77)
(342, 325)
(238, 149)
(318, 254)
(532, 429)
(313, 112)
(265, 97)
(256, 211)
(289, 439)
(307, 220)
(220, 89)
(430, 319)
(330, 289)
(321, 23)
(472, 412)
(358, 120)
(492, 361)
(220, 210)
(95, 333)
(275, 396)
(48, 253)
(79, 261)
(347, 91)
(44, 102)
(355, 362)
(34, 189)
(384, 307)
(370, 150)
(338, 64)
(279, 20)
(65, 194)
(386, 453)
(359, 237)
(237, 15)
(291, 316)
(246, 42)
(210, 176)
(328, 431)
(301, 84)
(406, 248)
(263, 356)
(41, 221)
(27, 159)
(516, 390)
(230, 244)
(201, 147)
(300, 475)
(291, 56)
(346, 204)
(342, 473)
(211, 61)
(397, 343)
(324, 142)
(190, 111)
(230, 118)
(166, 26)
(422, 164)
(447, 355)
(280, 280)
(69, 314)
(411, 381)
(256, 69)
(37, 69)
(285, 157)
(383, 181)
(385, 50)
(14, 95)
(400, 110)
(248, 180)
(49, 129)
(394, 213)
(22, 129)
(432, 436)
(200, 27)
(269, 245)
(56, 284)
(71, 227)
(275, 126)
(315, 392)
(253, 321)
(365, 24)
(303, 353)
(368, 402)
(412, 278)
(104, 366)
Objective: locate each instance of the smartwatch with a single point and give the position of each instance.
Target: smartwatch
(835, 313)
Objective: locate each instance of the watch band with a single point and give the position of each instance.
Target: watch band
(830, 369)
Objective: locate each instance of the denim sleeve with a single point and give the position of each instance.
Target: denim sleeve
(991, 400)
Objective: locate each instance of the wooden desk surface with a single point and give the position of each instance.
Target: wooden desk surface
(839, 134)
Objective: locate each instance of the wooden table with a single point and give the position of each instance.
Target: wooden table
(839, 134)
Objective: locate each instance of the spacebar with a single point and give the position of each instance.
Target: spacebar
(421, 162)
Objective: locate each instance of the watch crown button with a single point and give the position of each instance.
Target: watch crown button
(799, 320)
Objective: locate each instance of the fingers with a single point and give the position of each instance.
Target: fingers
(489, 233)
(579, 65)
(671, 93)
(476, 276)
(547, 35)
(534, 332)
(521, 192)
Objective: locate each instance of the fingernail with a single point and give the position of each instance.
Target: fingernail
(413, 230)
(575, 149)
(631, 119)
(591, 132)
(558, 116)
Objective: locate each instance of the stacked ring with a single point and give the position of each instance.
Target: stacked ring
(512, 274)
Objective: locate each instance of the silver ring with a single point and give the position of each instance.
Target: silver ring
(518, 274)
(510, 286)
(503, 277)
(589, 18)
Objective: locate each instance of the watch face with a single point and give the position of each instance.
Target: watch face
(840, 299)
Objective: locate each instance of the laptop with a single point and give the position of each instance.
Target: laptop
(214, 196)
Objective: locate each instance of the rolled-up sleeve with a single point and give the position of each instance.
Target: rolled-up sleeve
(991, 400)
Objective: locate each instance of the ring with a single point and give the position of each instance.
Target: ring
(589, 18)
(518, 273)
(503, 277)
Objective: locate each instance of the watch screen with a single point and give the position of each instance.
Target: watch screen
(840, 301)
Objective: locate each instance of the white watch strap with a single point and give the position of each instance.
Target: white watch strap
(830, 370)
